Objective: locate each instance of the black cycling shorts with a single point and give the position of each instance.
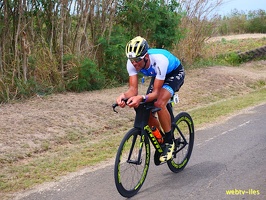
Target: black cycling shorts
(173, 81)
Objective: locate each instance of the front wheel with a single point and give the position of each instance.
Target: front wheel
(132, 163)
(183, 129)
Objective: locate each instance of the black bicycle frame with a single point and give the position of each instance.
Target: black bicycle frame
(143, 112)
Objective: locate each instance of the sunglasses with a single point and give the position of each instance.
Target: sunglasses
(137, 59)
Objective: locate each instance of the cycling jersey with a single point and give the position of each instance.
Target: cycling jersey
(162, 62)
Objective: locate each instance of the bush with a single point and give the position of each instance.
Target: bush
(114, 65)
(86, 77)
(233, 58)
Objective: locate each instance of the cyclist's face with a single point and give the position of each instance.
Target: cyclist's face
(138, 63)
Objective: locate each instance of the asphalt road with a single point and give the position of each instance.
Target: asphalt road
(227, 158)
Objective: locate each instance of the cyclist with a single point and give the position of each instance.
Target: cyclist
(168, 74)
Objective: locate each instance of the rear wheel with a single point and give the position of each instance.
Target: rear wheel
(132, 163)
(184, 140)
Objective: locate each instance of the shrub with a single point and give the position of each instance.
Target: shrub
(86, 77)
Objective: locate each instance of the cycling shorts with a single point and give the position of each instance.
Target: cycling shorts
(173, 81)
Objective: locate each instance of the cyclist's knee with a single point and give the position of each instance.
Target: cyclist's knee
(160, 104)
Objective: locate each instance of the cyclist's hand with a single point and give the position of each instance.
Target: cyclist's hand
(134, 101)
(121, 100)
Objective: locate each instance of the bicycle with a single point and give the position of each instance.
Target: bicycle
(133, 155)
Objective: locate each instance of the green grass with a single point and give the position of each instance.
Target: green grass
(219, 109)
(224, 52)
(230, 46)
(48, 167)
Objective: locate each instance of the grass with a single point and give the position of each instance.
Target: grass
(229, 46)
(75, 151)
(227, 107)
(224, 52)
(48, 167)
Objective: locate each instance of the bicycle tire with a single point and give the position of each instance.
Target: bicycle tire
(183, 148)
(129, 176)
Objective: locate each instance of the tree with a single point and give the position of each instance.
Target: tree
(196, 26)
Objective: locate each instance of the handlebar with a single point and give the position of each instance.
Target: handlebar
(115, 105)
(154, 109)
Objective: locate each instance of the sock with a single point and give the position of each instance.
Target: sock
(169, 137)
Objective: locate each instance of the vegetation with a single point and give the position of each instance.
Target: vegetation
(54, 46)
(225, 52)
(242, 22)
(59, 45)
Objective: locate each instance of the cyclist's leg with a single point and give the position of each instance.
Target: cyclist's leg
(172, 83)
(165, 120)
(163, 114)
(176, 78)
(153, 121)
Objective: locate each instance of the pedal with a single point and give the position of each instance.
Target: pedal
(157, 159)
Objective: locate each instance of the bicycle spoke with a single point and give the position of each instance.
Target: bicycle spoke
(132, 163)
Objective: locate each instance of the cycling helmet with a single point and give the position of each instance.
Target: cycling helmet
(137, 47)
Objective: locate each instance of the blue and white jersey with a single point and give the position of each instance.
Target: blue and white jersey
(162, 62)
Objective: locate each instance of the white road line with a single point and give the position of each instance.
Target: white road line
(223, 133)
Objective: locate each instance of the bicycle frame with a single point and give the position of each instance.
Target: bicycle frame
(143, 112)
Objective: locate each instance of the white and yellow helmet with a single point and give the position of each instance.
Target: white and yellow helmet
(137, 47)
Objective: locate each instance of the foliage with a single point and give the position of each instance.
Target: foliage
(153, 19)
(114, 66)
(46, 42)
(197, 24)
(167, 28)
(86, 77)
(242, 22)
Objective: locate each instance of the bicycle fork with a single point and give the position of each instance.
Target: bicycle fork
(138, 161)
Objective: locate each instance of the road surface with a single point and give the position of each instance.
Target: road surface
(228, 162)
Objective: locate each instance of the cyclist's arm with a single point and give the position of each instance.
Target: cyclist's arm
(133, 87)
(132, 90)
(161, 70)
(157, 86)
(135, 100)
(133, 81)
